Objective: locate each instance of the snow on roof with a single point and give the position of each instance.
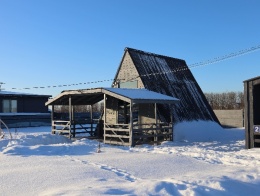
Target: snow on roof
(135, 94)
(18, 93)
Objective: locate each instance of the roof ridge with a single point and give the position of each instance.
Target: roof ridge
(152, 54)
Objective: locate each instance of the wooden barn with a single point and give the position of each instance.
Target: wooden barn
(23, 109)
(252, 112)
(129, 117)
(168, 76)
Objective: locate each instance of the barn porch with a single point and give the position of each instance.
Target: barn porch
(129, 117)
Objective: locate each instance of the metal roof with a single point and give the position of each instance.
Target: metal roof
(252, 79)
(9, 93)
(92, 96)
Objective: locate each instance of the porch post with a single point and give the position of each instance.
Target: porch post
(91, 120)
(131, 139)
(73, 120)
(105, 117)
(52, 120)
(156, 125)
(125, 114)
(70, 116)
(171, 121)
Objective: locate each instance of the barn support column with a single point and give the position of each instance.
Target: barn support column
(91, 120)
(73, 121)
(70, 116)
(131, 139)
(52, 119)
(156, 124)
(251, 114)
(105, 117)
(171, 121)
(126, 121)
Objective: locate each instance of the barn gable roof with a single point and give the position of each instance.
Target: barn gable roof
(172, 77)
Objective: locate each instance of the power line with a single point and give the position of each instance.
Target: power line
(62, 85)
(204, 63)
(194, 65)
(225, 57)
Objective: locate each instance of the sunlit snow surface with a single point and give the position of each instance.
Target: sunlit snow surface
(204, 159)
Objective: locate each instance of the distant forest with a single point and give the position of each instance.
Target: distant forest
(226, 101)
(98, 107)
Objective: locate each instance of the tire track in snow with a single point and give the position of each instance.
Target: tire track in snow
(119, 172)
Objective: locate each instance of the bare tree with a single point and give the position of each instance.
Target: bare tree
(226, 101)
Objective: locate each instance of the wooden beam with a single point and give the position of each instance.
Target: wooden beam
(251, 114)
(246, 114)
(105, 117)
(156, 125)
(131, 140)
(118, 143)
(73, 121)
(52, 119)
(171, 121)
(91, 119)
(125, 113)
(70, 115)
(117, 129)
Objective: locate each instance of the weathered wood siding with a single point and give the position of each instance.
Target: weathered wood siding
(111, 110)
(128, 72)
(252, 111)
(230, 118)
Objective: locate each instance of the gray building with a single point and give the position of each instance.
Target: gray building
(23, 109)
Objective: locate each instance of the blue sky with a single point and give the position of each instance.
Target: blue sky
(52, 42)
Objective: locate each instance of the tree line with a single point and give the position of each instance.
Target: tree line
(98, 107)
(226, 101)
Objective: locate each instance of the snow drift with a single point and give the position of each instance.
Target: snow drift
(38, 163)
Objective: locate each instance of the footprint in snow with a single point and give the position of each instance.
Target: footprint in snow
(118, 172)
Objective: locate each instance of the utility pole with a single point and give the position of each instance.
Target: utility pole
(1, 83)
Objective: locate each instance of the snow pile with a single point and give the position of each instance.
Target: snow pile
(38, 163)
(198, 131)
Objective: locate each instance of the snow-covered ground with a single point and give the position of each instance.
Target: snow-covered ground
(204, 159)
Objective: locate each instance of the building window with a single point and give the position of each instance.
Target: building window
(9, 106)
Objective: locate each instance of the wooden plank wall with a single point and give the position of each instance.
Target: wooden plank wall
(111, 110)
(252, 110)
(230, 118)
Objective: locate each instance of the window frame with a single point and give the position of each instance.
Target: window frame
(9, 105)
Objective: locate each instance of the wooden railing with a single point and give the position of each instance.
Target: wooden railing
(2, 132)
(152, 132)
(61, 127)
(117, 134)
(72, 128)
(81, 127)
(121, 133)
